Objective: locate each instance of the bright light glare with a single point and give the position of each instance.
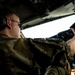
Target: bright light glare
(49, 29)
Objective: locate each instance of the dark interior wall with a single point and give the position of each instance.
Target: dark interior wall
(24, 8)
(31, 9)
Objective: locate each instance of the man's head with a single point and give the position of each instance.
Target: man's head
(72, 27)
(9, 23)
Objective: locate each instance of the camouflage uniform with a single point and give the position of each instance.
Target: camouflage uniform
(29, 56)
(61, 60)
(64, 35)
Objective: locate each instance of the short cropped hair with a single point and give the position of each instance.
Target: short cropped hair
(4, 13)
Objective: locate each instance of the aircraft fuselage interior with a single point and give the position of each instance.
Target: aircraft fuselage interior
(36, 12)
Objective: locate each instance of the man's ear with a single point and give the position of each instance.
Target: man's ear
(9, 24)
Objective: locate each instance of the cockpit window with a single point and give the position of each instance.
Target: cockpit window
(49, 29)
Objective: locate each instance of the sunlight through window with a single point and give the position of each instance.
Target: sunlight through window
(49, 29)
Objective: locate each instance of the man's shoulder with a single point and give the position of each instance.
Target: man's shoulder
(55, 70)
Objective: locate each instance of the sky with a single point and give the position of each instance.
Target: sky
(49, 29)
